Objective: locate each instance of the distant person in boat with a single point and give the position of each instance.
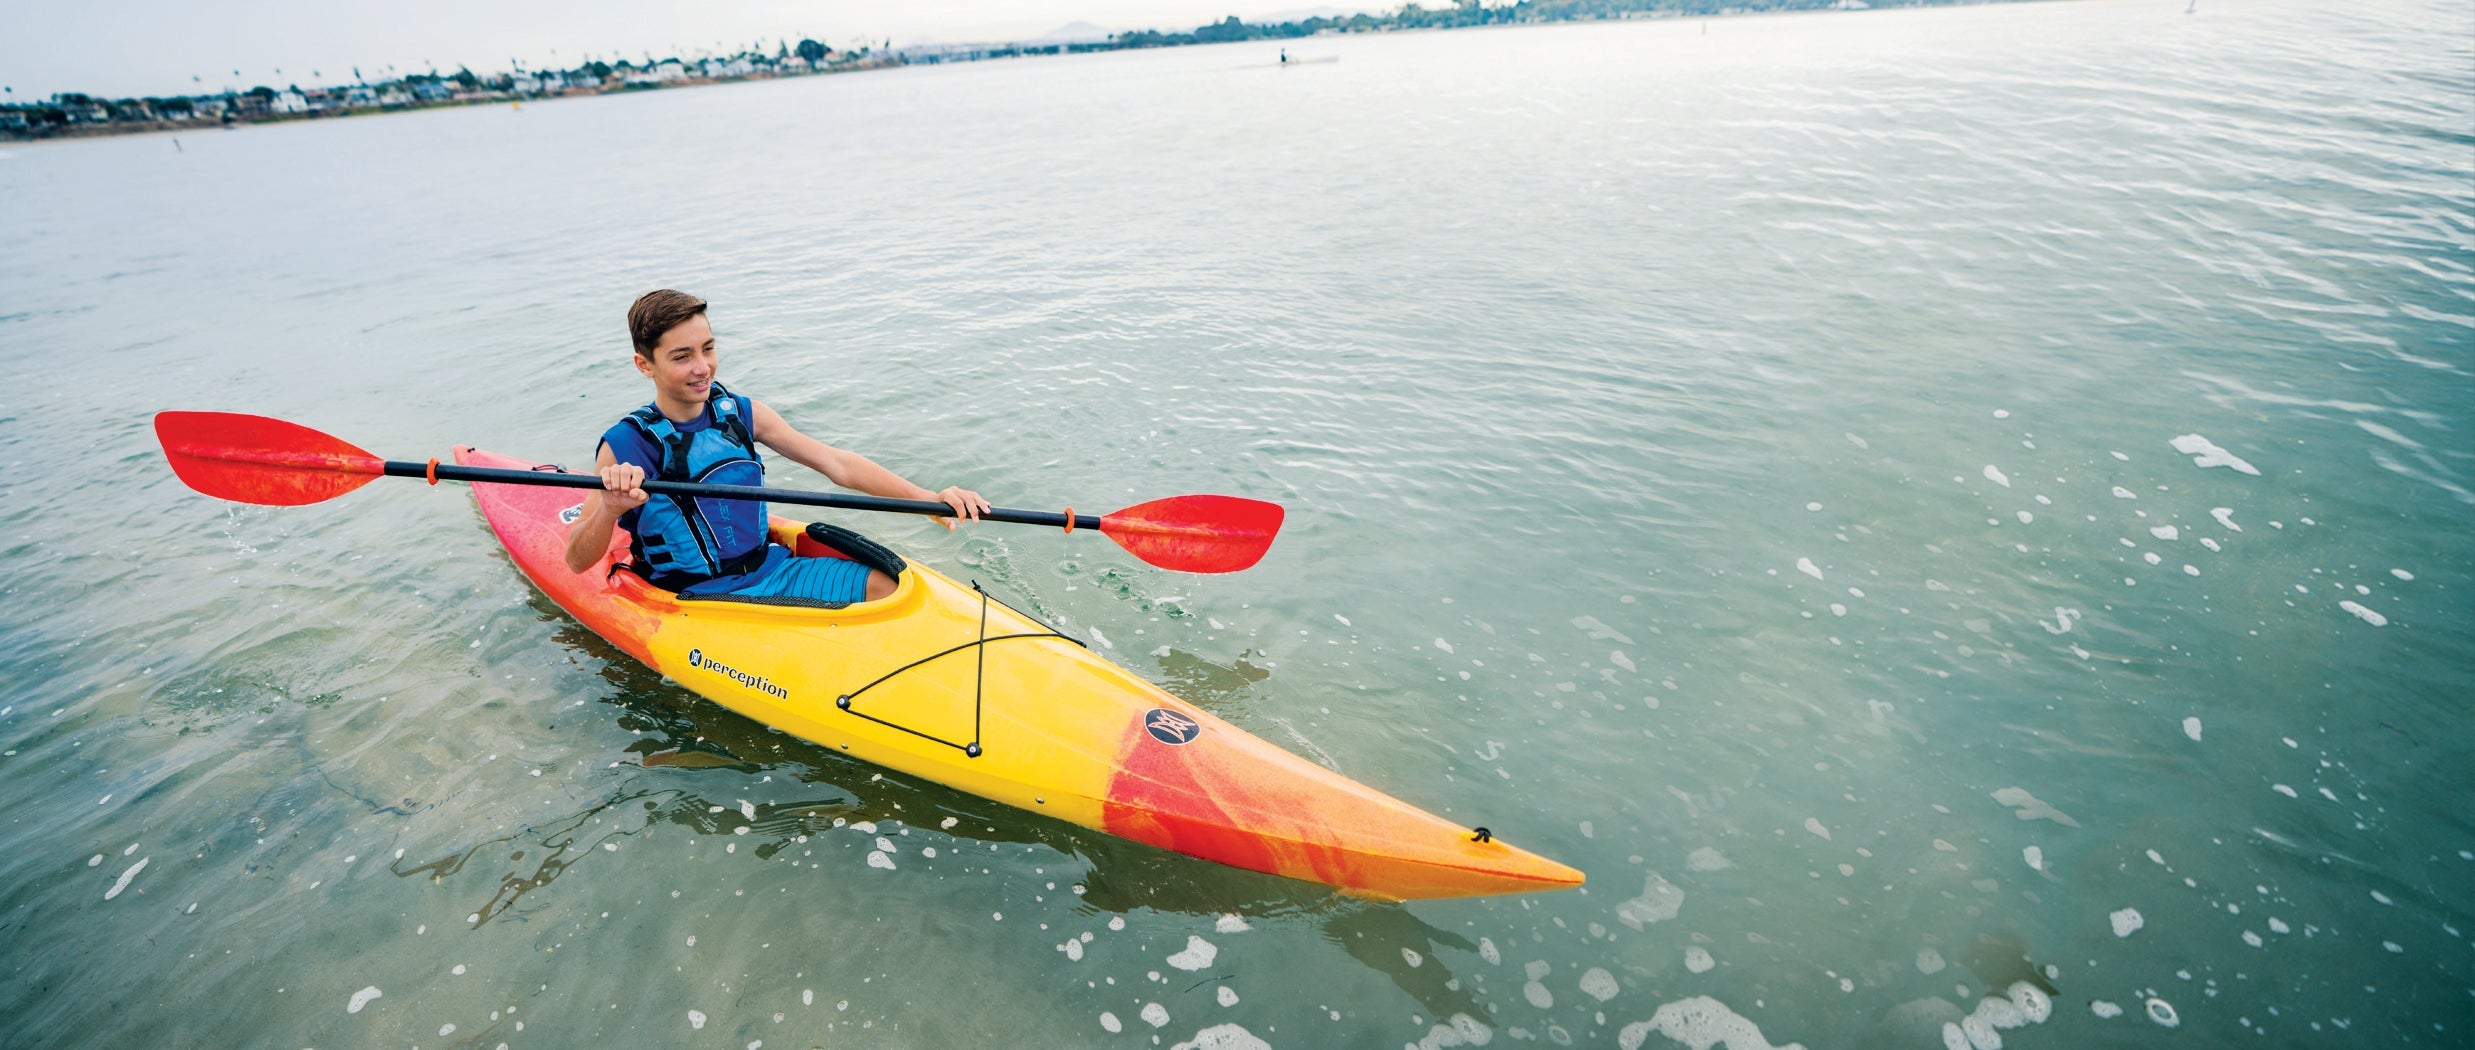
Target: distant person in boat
(697, 431)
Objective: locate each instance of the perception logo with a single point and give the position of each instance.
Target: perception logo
(1170, 727)
(760, 683)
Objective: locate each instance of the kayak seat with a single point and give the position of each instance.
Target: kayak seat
(833, 541)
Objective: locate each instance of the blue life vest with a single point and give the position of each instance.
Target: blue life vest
(679, 541)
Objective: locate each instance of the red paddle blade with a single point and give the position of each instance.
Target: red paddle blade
(1196, 533)
(254, 459)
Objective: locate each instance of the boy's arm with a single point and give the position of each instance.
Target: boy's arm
(622, 491)
(851, 470)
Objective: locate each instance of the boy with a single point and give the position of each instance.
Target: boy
(696, 431)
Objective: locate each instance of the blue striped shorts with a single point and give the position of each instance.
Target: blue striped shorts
(784, 576)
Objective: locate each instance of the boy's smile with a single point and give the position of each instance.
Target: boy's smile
(682, 367)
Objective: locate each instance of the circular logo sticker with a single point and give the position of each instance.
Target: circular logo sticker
(696, 658)
(1170, 727)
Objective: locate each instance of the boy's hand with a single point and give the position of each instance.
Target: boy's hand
(623, 487)
(966, 503)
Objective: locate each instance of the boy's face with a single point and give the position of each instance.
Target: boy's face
(683, 363)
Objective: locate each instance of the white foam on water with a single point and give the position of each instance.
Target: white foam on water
(865, 827)
(2027, 518)
(1443, 645)
(2127, 922)
(2402, 574)
(747, 809)
(1929, 961)
(2035, 858)
(2191, 728)
(2205, 453)
(362, 998)
(2382, 897)
(2191, 570)
(1806, 566)
(2283, 790)
(1117, 922)
(1538, 995)
(1231, 922)
(2211, 544)
(1228, 996)
(1231, 1036)
(2278, 925)
(1856, 441)
(1660, 900)
(1487, 951)
(123, 882)
(1706, 859)
(1994, 474)
(1813, 506)
(1073, 949)
(1700, 1022)
(1837, 609)
(2163, 1013)
(2031, 1001)
(1199, 953)
(2063, 618)
(1343, 619)
(2152, 557)
(2251, 938)
(1537, 969)
(1103, 639)
(880, 860)
(1814, 825)
(807, 997)
(1155, 1015)
(2366, 615)
(1979, 1032)
(1619, 659)
(1109, 1022)
(1598, 984)
(2165, 532)
(1410, 955)
(2123, 493)
(2002, 413)
(446, 1030)
(2104, 1010)
(1698, 960)
(94, 861)
(2028, 807)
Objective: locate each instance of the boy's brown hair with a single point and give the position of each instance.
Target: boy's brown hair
(657, 312)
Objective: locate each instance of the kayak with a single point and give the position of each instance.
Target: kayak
(947, 683)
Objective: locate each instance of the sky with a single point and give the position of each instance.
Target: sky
(124, 48)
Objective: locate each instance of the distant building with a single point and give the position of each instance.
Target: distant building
(360, 95)
(669, 70)
(431, 90)
(289, 100)
(393, 95)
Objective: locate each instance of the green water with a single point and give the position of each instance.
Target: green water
(1737, 460)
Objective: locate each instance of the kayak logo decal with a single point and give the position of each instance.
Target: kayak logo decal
(1170, 727)
(568, 515)
(758, 682)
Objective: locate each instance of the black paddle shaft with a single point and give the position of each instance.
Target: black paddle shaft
(564, 480)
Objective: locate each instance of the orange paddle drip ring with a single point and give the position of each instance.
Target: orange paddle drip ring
(1069, 520)
(433, 470)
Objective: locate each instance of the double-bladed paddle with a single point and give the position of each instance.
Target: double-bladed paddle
(255, 459)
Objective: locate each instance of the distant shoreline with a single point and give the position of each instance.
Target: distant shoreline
(72, 116)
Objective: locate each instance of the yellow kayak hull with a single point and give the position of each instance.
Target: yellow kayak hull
(942, 682)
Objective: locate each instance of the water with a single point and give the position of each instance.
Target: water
(1738, 460)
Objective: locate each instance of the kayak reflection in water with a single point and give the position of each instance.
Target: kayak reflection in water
(697, 431)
